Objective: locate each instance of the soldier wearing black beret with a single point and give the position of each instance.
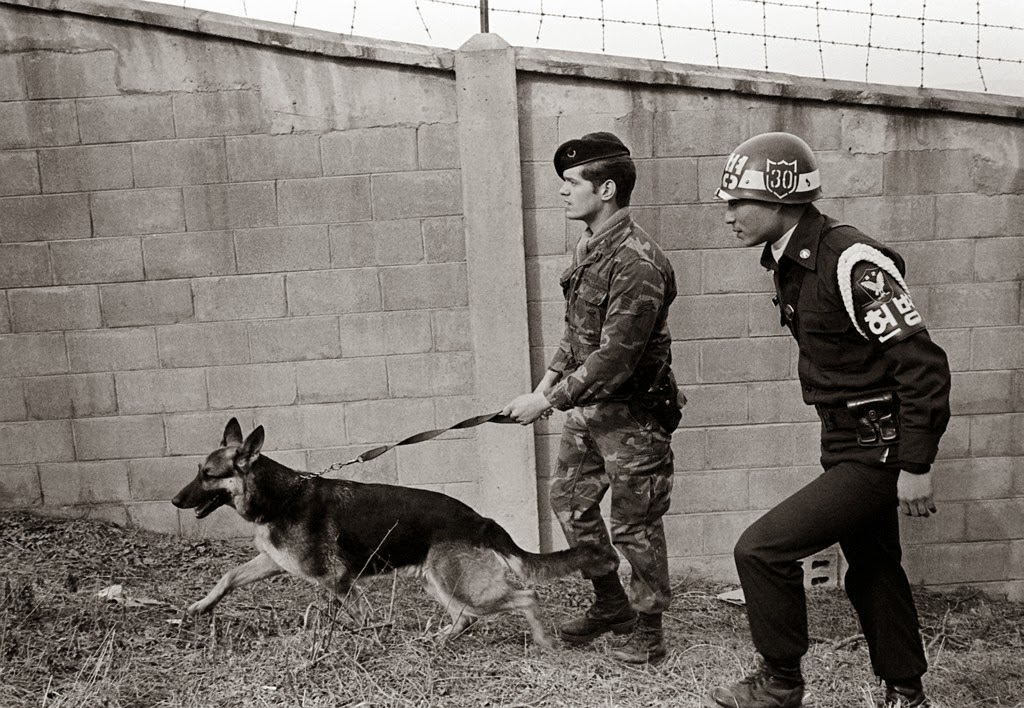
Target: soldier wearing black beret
(612, 375)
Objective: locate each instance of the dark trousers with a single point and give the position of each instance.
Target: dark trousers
(855, 505)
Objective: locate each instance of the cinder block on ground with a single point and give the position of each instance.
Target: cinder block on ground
(84, 482)
(160, 478)
(19, 486)
(161, 517)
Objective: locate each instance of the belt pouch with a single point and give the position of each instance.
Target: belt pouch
(875, 418)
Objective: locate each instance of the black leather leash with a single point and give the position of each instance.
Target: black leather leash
(420, 437)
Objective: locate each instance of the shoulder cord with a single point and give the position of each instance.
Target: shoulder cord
(844, 270)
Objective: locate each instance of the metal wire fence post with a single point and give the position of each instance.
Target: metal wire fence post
(485, 19)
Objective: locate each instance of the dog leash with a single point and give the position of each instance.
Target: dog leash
(419, 437)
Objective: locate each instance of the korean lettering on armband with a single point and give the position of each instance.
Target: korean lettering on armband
(906, 308)
(882, 322)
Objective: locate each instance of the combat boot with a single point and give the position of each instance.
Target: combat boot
(609, 613)
(646, 645)
(771, 686)
(905, 694)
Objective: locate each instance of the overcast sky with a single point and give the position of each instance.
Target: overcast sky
(896, 32)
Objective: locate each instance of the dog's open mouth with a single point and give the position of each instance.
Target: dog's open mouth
(210, 504)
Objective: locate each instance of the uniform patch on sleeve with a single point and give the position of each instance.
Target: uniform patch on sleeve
(875, 295)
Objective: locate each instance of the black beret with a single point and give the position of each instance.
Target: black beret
(591, 147)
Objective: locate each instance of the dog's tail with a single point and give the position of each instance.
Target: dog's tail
(591, 558)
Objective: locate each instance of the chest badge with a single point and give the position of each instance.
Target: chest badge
(805, 254)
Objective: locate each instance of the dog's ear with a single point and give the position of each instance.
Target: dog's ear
(232, 434)
(250, 449)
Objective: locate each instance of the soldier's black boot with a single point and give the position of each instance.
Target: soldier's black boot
(773, 685)
(905, 694)
(609, 613)
(647, 643)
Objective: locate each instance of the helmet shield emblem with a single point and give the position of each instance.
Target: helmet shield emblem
(780, 177)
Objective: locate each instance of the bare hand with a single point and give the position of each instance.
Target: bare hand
(914, 492)
(528, 408)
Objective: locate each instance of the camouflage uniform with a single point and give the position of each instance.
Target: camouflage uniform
(616, 338)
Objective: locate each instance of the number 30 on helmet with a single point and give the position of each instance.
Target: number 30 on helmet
(771, 167)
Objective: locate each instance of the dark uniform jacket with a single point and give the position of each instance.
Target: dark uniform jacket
(844, 299)
(616, 332)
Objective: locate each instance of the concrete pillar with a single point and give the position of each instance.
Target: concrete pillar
(492, 198)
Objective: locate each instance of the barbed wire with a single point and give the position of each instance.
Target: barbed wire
(878, 49)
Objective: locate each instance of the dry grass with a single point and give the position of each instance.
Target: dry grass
(283, 643)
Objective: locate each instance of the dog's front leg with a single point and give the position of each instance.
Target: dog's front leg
(260, 567)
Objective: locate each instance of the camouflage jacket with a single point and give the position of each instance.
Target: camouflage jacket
(844, 299)
(616, 308)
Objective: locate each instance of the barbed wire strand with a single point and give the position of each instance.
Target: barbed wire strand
(352, 22)
(764, 31)
(740, 33)
(602, 26)
(867, 54)
(661, 35)
(714, 34)
(977, 49)
(817, 25)
(540, 22)
(924, 14)
(423, 20)
(295, 15)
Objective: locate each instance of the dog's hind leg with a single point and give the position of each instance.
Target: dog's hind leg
(260, 567)
(459, 611)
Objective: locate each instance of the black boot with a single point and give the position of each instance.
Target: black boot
(609, 613)
(773, 685)
(647, 643)
(905, 694)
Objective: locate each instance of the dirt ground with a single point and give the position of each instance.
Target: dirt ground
(93, 615)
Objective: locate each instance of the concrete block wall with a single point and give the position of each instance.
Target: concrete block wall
(945, 190)
(194, 228)
(203, 217)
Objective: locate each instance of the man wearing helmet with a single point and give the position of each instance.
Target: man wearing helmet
(611, 373)
(881, 390)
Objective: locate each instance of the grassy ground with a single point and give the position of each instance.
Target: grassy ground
(283, 643)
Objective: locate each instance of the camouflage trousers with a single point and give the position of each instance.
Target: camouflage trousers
(608, 445)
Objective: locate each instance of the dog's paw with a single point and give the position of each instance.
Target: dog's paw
(198, 608)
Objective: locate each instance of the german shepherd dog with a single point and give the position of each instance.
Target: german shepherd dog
(332, 532)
